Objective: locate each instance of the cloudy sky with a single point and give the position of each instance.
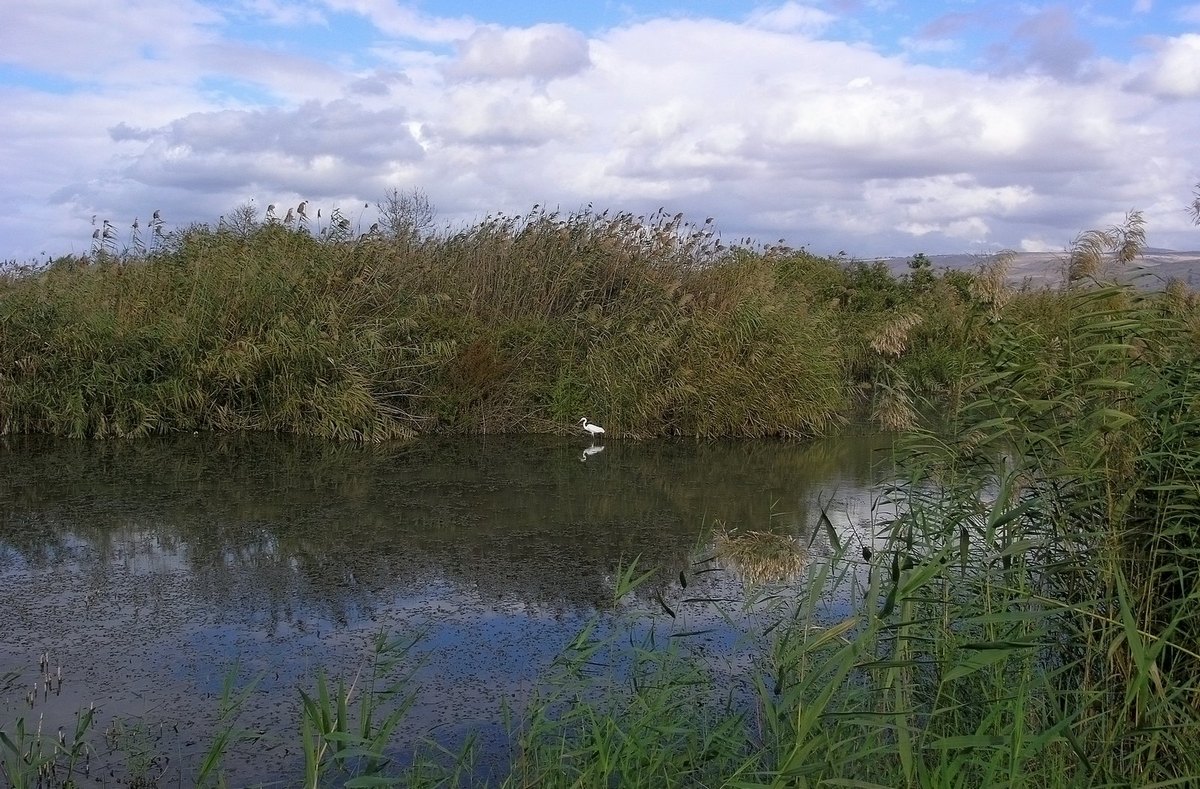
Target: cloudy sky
(876, 127)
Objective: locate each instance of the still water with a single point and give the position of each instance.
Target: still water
(152, 570)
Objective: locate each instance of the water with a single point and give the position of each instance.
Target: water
(150, 569)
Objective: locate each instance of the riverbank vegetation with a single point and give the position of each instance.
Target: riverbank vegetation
(1031, 618)
(515, 324)
(1032, 612)
(646, 325)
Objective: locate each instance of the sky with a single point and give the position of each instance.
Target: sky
(869, 127)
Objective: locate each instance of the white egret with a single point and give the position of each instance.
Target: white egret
(595, 430)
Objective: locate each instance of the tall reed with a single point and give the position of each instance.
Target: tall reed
(513, 324)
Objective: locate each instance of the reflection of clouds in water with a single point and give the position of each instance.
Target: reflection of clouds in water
(153, 566)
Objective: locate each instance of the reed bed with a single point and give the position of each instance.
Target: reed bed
(515, 324)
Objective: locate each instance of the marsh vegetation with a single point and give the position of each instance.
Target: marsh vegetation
(1031, 614)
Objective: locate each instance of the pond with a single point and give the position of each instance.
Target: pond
(150, 571)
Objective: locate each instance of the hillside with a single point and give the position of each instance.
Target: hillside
(1155, 267)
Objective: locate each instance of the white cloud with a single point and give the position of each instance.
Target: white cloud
(137, 42)
(1037, 245)
(541, 51)
(1174, 69)
(522, 119)
(972, 230)
(403, 22)
(776, 132)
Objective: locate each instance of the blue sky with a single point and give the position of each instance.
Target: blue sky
(877, 127)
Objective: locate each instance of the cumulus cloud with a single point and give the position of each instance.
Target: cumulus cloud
(285, 150)
(542, 51)
(1174, 69)
(766, 122)
(379, 83)
(515, 120)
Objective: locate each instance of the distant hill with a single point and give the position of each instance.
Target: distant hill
(1152, 270)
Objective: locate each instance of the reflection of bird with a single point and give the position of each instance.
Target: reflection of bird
(595, 430)
(589, 451)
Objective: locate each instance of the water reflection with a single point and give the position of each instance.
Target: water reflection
(149, 567)
(592, 450)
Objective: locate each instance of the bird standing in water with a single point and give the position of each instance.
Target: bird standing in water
(595, 430)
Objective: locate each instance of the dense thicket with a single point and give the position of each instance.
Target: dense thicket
(515, 324)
